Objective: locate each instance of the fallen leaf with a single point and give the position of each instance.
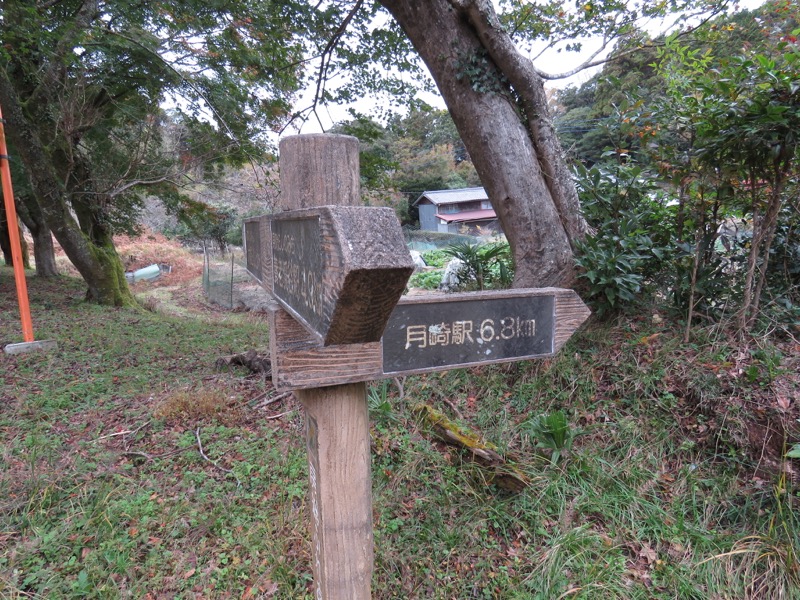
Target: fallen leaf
(189, 573)
(650, 338)
(676, 551)
(648, 554)
(270, 588)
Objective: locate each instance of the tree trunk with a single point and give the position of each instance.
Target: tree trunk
(44, 253)
(96, 259)
(5, 241)
(498, 104)
(763, 236)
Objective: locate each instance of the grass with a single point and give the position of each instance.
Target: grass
(663, 493)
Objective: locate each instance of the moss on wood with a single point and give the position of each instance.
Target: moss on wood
(501, 472)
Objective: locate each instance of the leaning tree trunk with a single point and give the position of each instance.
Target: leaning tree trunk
(96, 260)
(498, 104)
(5, 241)
(764, 229)
(44, 253)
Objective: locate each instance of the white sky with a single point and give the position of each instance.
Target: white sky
(552, 62)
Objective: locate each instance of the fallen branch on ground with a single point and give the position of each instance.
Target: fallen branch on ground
(126, 432)
(269, 401)
(257, 363)
(283, 414)
(203, 454)
(484, 453)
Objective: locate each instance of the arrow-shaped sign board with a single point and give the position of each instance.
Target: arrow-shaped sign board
(442, 334)
(432, 332)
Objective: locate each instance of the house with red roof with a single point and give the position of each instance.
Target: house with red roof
(457, 211)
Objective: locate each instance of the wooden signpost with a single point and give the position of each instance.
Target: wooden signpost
(337, 271)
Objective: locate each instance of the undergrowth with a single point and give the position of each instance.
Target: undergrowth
(662, 491)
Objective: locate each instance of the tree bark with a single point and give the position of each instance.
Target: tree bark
(5, 241)
(96, 259)
(44, 254)
(498, 104)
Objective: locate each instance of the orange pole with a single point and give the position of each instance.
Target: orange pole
(13, 234)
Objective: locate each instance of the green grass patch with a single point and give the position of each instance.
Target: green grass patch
(428, 280)
(436, 258)
(658, 494)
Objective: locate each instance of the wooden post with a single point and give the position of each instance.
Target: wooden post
(318, 170)
(337, 434)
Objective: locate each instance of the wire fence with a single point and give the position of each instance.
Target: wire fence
(227, 283)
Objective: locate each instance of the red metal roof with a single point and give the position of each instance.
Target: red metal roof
(468, 215)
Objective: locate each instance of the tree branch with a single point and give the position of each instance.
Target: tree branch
(87, 12)
(203, 454)
(141, 182)
(325, 58)
(591, 62)
(182, 78)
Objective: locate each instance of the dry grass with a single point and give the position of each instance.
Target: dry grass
(148, 249)
(204, 402)
(153, 248)
(768, 566)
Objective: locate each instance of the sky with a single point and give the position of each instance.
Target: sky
(552, 62)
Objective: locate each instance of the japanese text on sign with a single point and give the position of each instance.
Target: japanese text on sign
(430, 335)
(298, 266)
(461, 332)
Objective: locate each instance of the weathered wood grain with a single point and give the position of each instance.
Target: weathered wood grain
(300, 361)
(339, 270)
(337, 436)
(571, 313)
(323, 170)
(319, 170)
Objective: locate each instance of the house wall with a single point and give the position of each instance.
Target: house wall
(449, 209)
(428, 211)
(427, 217)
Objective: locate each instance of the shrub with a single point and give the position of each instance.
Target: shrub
(632, 234)
(486, 266)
